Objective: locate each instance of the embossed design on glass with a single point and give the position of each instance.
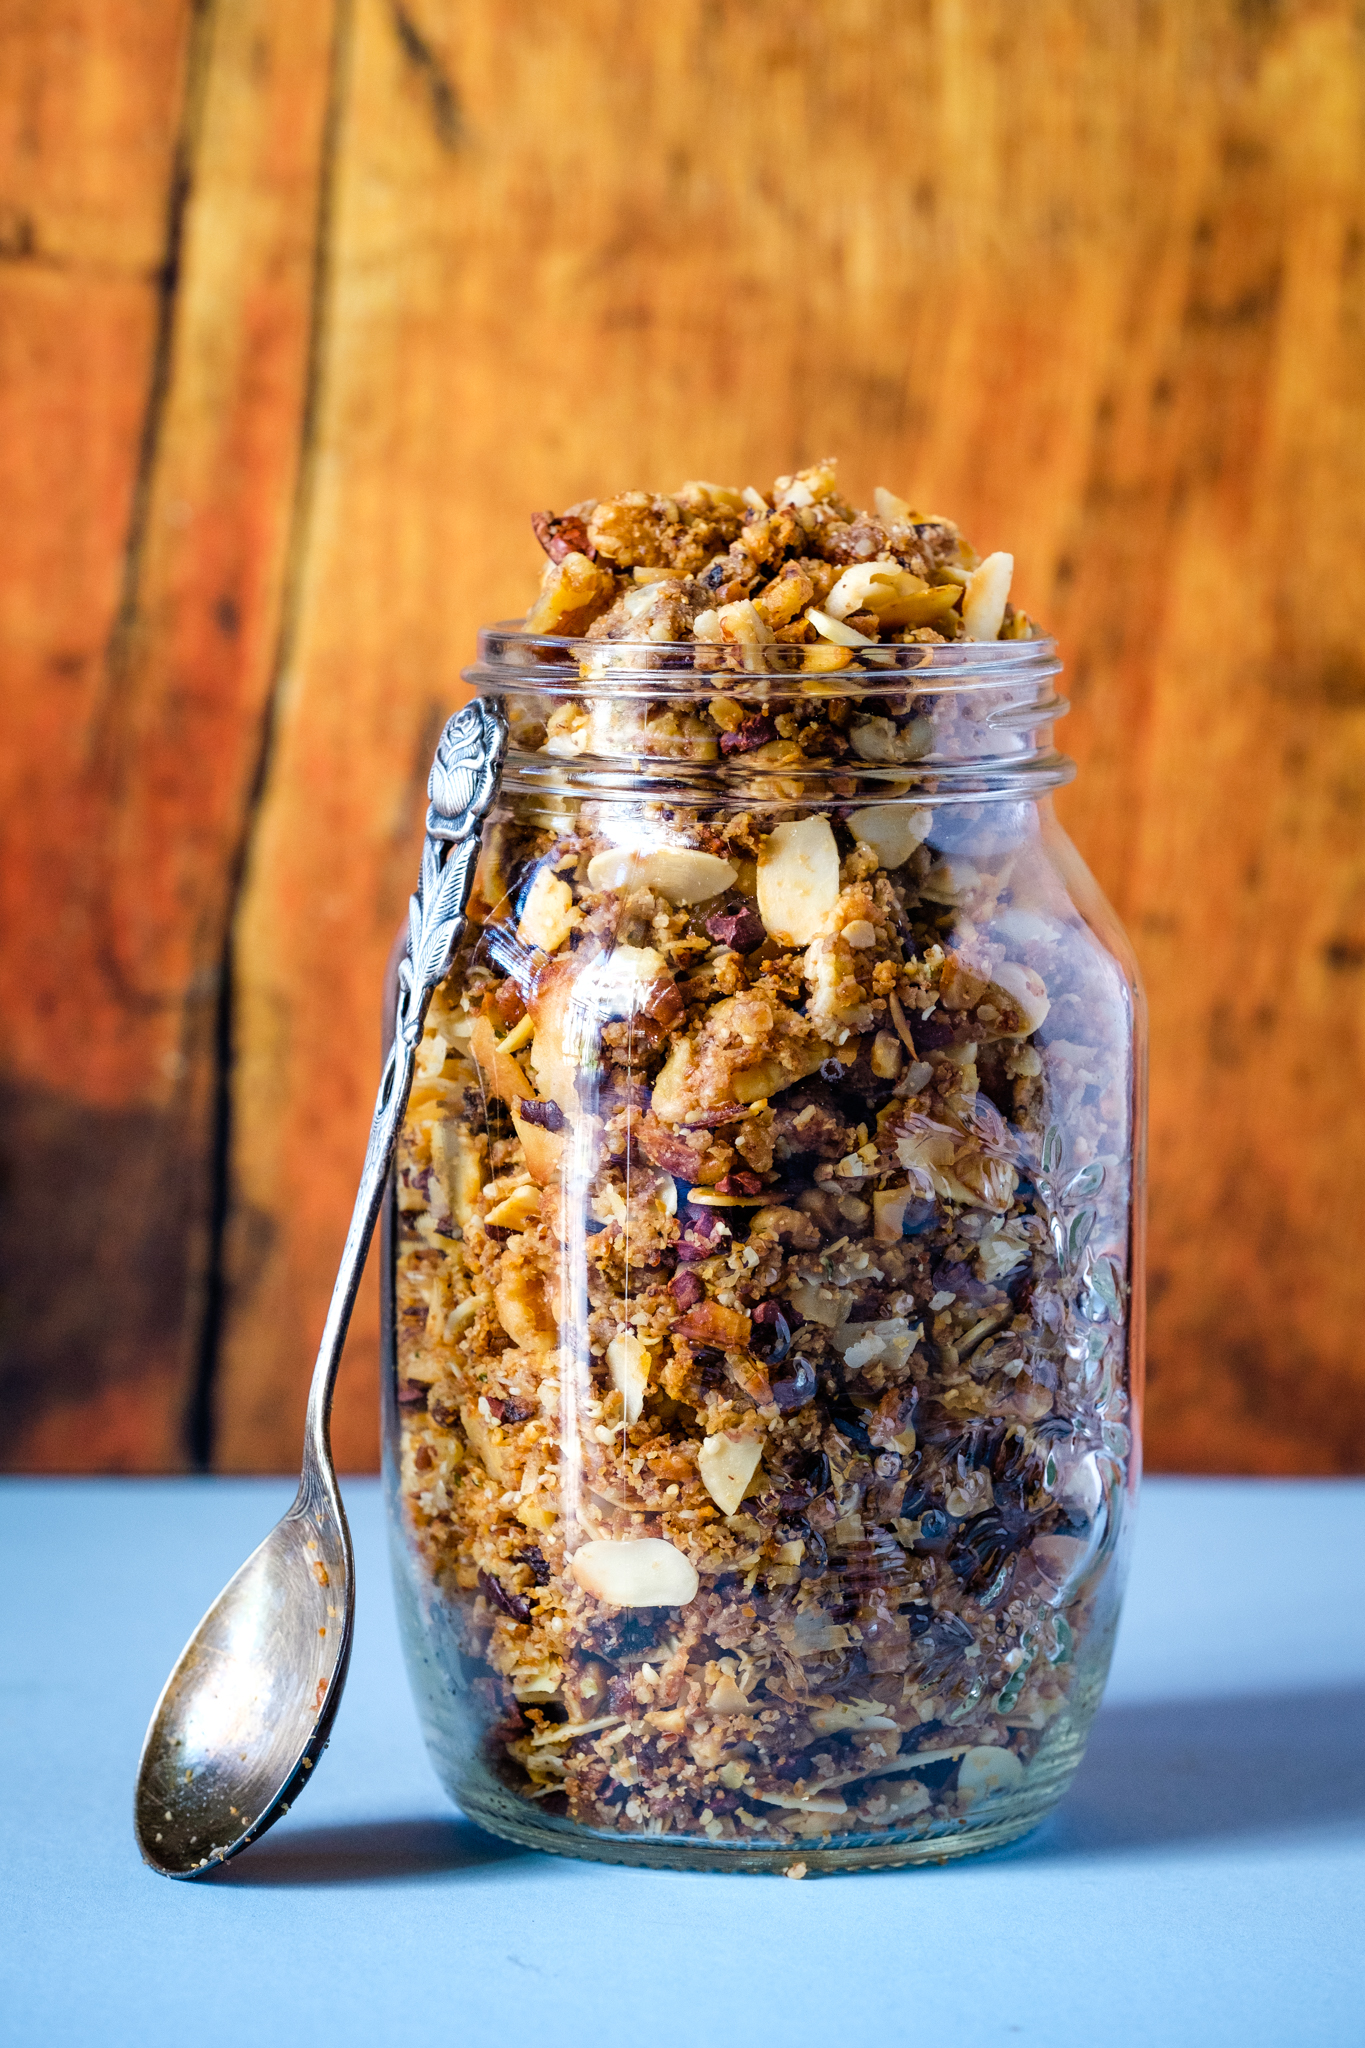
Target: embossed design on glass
(764, 1265)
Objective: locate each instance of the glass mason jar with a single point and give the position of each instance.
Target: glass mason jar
(764, 1264)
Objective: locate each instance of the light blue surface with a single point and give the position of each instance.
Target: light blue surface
(1204, 1883)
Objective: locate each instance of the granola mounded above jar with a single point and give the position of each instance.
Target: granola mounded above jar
(764, 1245)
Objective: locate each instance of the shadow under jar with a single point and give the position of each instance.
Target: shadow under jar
(764, 1267)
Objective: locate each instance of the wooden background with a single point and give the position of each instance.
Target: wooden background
(303, 308)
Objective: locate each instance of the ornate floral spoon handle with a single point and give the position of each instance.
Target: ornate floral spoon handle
(246, 1711)
(463, 783)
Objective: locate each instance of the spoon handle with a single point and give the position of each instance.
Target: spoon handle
(463, 784)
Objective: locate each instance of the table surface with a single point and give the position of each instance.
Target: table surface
(1203, 1882)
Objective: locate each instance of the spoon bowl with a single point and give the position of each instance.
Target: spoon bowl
(248, 1708)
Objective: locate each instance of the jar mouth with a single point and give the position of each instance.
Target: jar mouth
(947, 720)
(511, 660)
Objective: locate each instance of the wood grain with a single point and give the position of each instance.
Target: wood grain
(143, 668)
(1087, 275)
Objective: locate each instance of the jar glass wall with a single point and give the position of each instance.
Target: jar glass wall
(764, 1265)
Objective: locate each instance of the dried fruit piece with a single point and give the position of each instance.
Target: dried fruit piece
(988, 590)
(727, 1464)
(642, 1572)
(741, 929)
(893, 831)
(681, 873)
(798, 879)
(710, 1322)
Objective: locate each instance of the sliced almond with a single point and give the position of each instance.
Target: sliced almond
(642, 1572)
(771, 1076)
(986, 1770)
(523, 1308)
(542, 1149)
(1027, 990)
(547, 916)
(727, 1464)
(988, 590)
(458, 1167)
(888, 1213)
(867, 586)
(498, 1071)
(628, 1362)
(517, 1211)
(893, 831)
(891, 510)
(726, 1698)
(671, 1099)
(555, 1068)
(836, 630)
(851, 1714)
(682, 874)
(815, 1802)
(798, 879)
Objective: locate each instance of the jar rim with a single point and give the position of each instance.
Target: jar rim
(512, 660)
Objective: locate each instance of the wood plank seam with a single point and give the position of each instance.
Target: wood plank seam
(200, 1417)
(198, 59)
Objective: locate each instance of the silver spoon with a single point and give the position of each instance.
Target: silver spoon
(246, 1712)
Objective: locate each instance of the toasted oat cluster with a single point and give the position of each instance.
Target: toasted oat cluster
(763, 1238)
(798, 567)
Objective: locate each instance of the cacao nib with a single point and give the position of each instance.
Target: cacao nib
(512, 1604)
(411, 1394)
(686, 1290)
(739, 1182)
(516, 1411)
(740, 929)
(546, 1116)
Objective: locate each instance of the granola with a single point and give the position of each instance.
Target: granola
(763, 1253)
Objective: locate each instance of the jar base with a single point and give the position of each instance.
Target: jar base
(489, 1807)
